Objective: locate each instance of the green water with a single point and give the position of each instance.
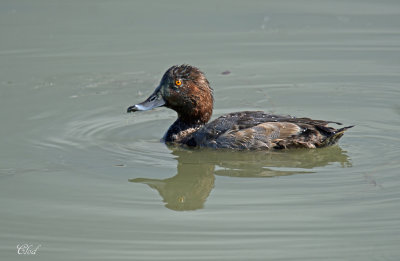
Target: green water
(82, 180)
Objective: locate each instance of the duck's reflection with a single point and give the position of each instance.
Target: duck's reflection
(190, 187)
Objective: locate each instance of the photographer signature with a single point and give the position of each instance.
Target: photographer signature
(27, 249)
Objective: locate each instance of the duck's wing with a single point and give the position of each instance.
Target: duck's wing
(260, 130)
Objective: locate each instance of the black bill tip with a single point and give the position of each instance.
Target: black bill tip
(132, 109)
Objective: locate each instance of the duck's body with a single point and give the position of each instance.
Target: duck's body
(186, 90)
(249, 130)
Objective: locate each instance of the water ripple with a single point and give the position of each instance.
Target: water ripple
(124, 137)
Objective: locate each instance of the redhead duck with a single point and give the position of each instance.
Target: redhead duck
(186, 90)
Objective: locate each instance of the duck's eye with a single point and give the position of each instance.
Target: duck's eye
(178, 82)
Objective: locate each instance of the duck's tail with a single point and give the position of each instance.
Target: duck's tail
(334, 138)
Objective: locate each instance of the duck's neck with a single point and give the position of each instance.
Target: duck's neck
(180, 129)
(194, 113)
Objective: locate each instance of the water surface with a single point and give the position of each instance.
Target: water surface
(86, 181)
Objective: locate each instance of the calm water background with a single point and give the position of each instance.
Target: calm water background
(86, 181)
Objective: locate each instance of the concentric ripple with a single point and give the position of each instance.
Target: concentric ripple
(125, 137)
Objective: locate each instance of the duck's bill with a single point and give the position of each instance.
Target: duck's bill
(155, 100)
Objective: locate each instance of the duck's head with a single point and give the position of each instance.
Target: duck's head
(184, 89)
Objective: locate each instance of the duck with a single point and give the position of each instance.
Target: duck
(186, 90)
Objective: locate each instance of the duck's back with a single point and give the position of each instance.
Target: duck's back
(255, 130)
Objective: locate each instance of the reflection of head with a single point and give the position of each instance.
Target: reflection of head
(189, 189)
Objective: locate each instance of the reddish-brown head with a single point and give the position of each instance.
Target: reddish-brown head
(184, 89)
